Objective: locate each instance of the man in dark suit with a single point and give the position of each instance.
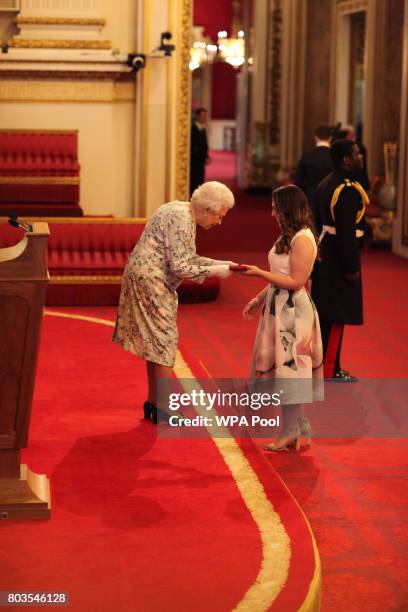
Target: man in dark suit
(314, 165)
(336, 285)
(199, 149)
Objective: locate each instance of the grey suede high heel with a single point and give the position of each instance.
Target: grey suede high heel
(303, 430)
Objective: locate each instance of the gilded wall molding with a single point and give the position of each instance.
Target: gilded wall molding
(275, 72)
(347, 7)
(39, 180)
(65, 91)
(57, 43)
(86, 279)
(184, 28)
(81, 21)
(22, 131)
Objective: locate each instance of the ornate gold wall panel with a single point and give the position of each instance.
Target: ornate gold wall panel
(185, 16)
(351, 6)
(65, 91)
(275, 71)
(58, 43)
(39, 180)
(81, 21)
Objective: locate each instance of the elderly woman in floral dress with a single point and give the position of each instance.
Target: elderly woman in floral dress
(164, 256)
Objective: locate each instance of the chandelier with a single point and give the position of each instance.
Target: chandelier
(203, 50)
(232, 50)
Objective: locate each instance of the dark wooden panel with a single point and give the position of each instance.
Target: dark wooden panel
(13, 332)
(10, 464)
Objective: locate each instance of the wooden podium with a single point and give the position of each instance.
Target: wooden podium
(23, 285)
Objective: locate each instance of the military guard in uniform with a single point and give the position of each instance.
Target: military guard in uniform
(337, 285)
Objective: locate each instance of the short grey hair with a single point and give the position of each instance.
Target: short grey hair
(212, 195)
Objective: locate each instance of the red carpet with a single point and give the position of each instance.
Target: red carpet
(222, 167)
(139, 523)
(248, 226)
(354, 494)
(353, 491)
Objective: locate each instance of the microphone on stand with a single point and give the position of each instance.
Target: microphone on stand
(17, 222)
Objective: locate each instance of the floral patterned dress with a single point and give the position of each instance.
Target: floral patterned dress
(162, 258)
(288, 342)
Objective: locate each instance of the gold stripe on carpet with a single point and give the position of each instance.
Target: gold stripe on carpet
(68, 315)
(276, 552)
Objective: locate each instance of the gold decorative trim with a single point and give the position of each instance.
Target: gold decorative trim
(53, 43)
(184, 30)
(33, 90)
(85, 279)
(66, 315)
(30, 131)
(312, 600)
(274, 80)
(346, 7)
(59, 21)
(39, 180)
(276, 551)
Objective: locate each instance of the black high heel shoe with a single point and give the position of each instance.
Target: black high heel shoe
(152, 412)
(148, 410)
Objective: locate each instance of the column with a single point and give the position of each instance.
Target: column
(248, 131)
(260, 65)
(274, 81)
(163, 123)
(374, 95)
(293, 82)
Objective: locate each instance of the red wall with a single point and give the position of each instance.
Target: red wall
(216, 16)
(224, 89)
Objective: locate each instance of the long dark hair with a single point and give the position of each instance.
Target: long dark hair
(294, 214)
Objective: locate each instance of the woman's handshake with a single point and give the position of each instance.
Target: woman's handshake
(219, 270)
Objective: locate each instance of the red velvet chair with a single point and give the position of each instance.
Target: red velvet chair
(39, 173)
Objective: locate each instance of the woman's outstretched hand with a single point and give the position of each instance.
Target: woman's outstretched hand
(250, 309)
(252, 271)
